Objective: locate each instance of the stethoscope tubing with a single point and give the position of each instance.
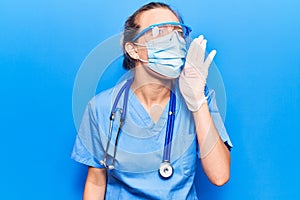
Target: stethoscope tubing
(125, 87)
(169, 129)
(170, 126)
(123, 115)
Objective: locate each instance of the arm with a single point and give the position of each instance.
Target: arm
(95, 184)
(214, 154)
(215, 157)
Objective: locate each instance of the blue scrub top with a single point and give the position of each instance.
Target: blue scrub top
(140, 147)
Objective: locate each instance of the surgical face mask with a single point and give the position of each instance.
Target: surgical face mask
(166, 54)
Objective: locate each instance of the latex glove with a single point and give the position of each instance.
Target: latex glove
(192, 79)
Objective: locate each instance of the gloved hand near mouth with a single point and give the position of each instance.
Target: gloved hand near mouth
(192, 79)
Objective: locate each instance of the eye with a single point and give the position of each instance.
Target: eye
(155, 32)
(163, 31)
(178, 29)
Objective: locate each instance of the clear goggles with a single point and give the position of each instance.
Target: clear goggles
(159, 30)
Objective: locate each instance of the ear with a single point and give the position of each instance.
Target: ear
(131, 50)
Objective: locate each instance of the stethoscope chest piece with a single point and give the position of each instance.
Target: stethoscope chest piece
(165, 170)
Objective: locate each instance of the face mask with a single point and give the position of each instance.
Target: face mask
(166, 54)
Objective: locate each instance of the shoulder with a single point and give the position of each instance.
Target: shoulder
(212, 101)
(105, 98)
(209, 93)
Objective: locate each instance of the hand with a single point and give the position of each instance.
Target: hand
(192, 79)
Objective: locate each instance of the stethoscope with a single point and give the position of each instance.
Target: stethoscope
(165, 169)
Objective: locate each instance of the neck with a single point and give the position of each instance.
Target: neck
(151, 92)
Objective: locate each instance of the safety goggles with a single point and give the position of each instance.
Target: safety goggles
(159, 30)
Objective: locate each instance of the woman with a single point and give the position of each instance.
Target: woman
(151, 152)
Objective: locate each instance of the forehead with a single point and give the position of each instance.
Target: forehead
(155, 16)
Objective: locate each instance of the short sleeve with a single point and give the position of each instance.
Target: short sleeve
(87, 148)
(214, 111)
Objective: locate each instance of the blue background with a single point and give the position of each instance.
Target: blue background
(43, 43)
